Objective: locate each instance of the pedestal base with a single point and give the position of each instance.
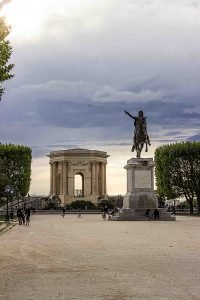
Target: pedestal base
(140, 194)
(139, 215)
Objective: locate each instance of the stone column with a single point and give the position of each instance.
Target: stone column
(61, 178)
(105, 190)
(70, 181)
(96, 179)
(54, 178)
(64, 171)
(51, 178)
(102, 179)
(93, 181)
(67, 180)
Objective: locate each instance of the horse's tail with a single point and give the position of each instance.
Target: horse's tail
(146, 150)
(147, 141)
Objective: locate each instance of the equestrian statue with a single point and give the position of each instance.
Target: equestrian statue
(140, 133)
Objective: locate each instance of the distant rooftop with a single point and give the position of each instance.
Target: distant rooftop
(77, 151)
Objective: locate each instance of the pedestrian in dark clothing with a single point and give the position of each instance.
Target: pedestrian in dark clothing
(22, 217)
(63, 214)
(156, 214)
(27, 215)
(19, 216)
(105, 212)
(79, 213)
(148, 214)
(106, 209)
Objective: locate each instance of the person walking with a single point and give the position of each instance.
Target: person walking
(19, 216)
(148, 214)
(105, 212)
(79, 213)
(22, 214)
(63, 214)
(156, 214)
(27, 215)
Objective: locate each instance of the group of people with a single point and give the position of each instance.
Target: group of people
(23, 215)
(106, 212)
(155, 214)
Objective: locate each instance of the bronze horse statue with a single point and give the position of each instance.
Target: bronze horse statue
(140, 134)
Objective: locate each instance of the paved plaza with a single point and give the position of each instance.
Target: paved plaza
(88, 258)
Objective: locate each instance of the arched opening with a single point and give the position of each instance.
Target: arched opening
(79, 185)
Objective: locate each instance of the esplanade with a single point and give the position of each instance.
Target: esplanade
(90, 165)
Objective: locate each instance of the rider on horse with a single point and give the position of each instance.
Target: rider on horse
(140, 132)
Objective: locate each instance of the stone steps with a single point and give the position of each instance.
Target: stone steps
(133, 215)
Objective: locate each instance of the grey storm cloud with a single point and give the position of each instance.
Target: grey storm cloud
(84, 104)
(114, 44)
(76, 76)
(195, 137)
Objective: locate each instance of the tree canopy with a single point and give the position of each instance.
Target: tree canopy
(5, 53)
(178, 171)
(15, 168)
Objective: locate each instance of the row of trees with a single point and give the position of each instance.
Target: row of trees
(178, 172)
(15, 169)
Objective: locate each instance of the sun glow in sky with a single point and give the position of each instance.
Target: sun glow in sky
(25, 17)
(28, 18)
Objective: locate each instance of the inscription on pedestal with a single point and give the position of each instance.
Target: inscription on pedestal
(143, 179)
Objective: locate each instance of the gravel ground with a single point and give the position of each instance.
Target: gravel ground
(88, 258)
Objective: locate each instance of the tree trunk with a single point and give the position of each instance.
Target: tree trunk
(191, 208)
(198, 203)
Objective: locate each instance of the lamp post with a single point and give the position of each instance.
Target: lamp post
(7, 190)
(174, 206)
(18, 196)
(11, 193)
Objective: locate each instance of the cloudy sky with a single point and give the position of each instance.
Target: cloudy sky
(80, 63)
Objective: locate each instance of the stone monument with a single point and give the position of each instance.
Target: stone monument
(89, 164)
(140, 195)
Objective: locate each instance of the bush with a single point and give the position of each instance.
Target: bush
(52, 203)
(109, 203)
(82, 204)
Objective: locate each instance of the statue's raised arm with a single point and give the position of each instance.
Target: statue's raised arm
(140, 133)
(126, 112)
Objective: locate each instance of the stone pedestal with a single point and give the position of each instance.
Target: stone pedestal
(140, 184)
(140, 194)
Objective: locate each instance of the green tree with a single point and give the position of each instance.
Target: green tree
(161, 200)
(15, 168)
(5, 53)
(178, 171)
